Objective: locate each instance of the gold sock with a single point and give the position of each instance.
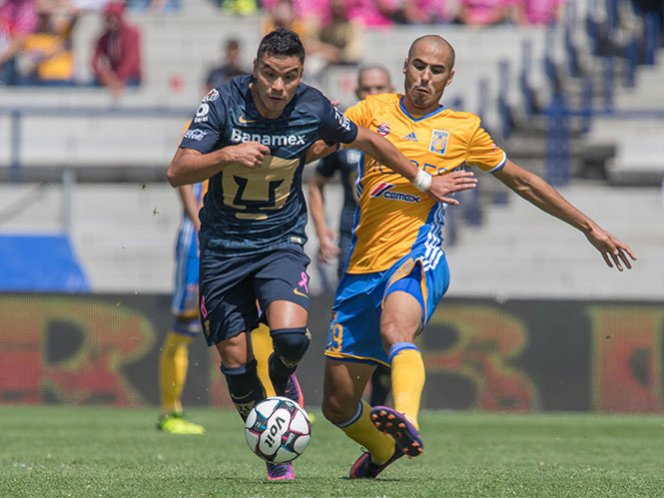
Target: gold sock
(361, 429)
(261, 343)
(173, 364)
(408, 381)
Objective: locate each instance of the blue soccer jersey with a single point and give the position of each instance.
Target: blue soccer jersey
(254, 210)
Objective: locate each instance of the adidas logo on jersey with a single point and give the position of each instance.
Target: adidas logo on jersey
(411, 137)
(269, 140)
(385, 190)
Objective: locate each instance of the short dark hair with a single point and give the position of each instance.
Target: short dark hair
(283, 42)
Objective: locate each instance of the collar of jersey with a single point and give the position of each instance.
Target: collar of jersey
(432, 113)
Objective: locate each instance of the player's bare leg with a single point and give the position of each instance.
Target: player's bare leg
(400, 321)
(343, 406)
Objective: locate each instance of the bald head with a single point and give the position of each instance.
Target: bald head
(428, 70)
(434, 43)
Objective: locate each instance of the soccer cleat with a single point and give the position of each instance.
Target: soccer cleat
(291, 390)
(364, 468)
(175, 423)
(280, 472)
(396, 424)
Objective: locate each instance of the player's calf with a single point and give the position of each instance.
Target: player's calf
(244, 387)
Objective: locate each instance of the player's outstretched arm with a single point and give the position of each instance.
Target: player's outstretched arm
(438, 187)
(538, 192)
(191, 166)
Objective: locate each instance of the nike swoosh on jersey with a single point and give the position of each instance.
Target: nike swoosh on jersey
(244, 120)
(299, 293)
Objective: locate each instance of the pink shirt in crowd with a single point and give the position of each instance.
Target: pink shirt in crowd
(539, 11)
(483, 11)
(18, 17)
(317, 9)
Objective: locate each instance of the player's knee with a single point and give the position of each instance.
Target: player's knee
(291, 344)
(241, 379)
(336, 410)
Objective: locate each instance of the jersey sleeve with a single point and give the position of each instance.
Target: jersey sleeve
(334, 126)
(206, 126)
(483, 152)
(359, 113)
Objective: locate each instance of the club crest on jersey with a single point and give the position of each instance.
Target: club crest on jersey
(383, 129)
(211, 96)
(438, 143)
(385, 190)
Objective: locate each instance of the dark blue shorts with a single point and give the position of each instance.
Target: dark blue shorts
(230, 288)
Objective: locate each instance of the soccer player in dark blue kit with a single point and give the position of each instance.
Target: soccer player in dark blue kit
(251, 137)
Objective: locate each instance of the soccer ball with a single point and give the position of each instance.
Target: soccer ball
(277, 429)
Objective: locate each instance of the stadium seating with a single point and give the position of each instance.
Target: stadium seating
(123, 233)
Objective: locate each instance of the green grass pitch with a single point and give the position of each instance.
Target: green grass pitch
(81, 452)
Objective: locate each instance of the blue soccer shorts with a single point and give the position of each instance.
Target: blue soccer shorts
(232, 286)
(354, 331)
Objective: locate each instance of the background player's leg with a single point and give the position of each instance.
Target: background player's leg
(173, 365)
(381, 383)
(400, 321)
(261, 343)
(239, 367)
(343, 406)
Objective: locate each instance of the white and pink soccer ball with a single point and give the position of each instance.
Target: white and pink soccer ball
(277, 429)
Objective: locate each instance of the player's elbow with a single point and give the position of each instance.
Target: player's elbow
(174, 178)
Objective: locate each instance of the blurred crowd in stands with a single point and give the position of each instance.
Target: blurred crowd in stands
(36, 35)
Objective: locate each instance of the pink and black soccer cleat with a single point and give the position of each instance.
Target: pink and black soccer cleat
(364, 468)
(292, 390)
(396, 424)
(280, 472)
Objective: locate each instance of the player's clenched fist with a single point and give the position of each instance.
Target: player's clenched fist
(249, 154)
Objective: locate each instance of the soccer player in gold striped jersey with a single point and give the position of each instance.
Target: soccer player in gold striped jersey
(397, 271)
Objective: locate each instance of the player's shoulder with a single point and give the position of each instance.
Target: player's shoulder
(462, 120)
(233, 91)
(309, 97)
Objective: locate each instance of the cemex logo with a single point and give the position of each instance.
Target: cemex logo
(385, 190)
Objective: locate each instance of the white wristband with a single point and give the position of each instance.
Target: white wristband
(422, 181)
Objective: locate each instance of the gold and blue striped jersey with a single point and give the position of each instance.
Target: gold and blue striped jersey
(393, 216)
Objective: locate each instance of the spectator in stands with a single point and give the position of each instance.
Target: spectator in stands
(18, 19)
(155, 6)
(484, 12)
(538, 12)
(47, 53)
(242, 7)
(230, 67)
(656, 7)
(371, 13)
(340, 41)
(417, 11)
(283, 15)
(316, 12)
(116, 62)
